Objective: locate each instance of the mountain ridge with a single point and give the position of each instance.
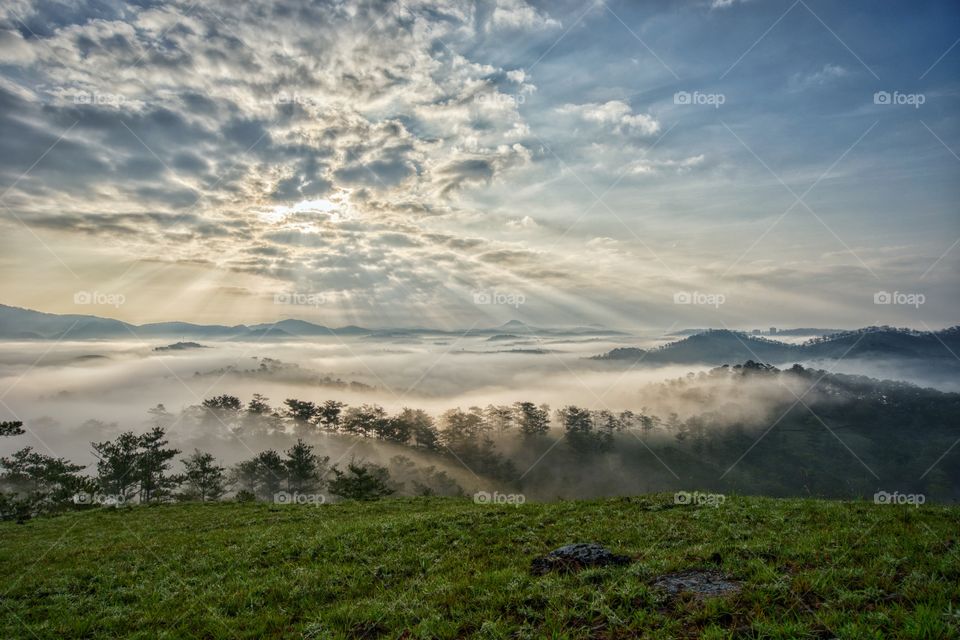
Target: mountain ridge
(721, 346)
(18, 323)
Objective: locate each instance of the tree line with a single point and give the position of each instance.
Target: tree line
(140, 468)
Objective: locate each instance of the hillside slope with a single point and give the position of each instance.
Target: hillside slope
(721, 346)
(449, 568)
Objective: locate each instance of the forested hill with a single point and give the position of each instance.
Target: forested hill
(720, 346)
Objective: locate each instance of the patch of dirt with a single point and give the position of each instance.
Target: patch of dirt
(574, 557)
(702, 583)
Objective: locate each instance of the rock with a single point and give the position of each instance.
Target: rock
(574, 557)
(701, 583)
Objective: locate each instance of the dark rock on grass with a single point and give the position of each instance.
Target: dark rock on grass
(574, 557)
(699, 582)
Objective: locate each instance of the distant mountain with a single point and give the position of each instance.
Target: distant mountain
(886, 342)
(267, 331)
(721, 346)
(26, 324)
(293, 328)
(160, 329)
(17, 323)
(717, 347)
(806, 331)
(520, 328)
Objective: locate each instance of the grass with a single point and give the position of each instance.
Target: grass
(449, 568)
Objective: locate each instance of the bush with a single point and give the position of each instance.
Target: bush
(245, 495)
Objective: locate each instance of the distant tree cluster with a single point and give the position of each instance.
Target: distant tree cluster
(469, 435)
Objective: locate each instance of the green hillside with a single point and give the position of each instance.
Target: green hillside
(449, 568)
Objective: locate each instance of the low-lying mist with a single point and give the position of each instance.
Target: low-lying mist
(58, 388)
(609, 429)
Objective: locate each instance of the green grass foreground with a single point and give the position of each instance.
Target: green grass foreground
(448, 568)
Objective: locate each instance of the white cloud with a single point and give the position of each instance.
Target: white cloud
(526, 222)
(644, 167)
(614, 113)
(724, 4)
(819, 78)
(14, 49)
(517, 14)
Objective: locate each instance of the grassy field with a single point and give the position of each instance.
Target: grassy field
(448, 568)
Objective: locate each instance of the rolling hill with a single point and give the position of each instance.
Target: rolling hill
(722, 346)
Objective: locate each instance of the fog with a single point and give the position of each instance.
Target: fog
(70, 394)
(58, 389)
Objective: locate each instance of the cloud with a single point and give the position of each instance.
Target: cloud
(526, 222)
(479, 168)
(14, 49)
(615, 114)
(645, 166)
(824, 76)
(518, 15)
(358, 144)
(724, 4)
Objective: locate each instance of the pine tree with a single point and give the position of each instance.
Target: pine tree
(118, 466)
(152, 464)
(204, 479)
(533, 420)
(305, 469)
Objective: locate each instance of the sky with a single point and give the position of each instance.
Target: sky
(664, 164)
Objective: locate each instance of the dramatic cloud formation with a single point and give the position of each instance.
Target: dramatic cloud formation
(400, 157)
